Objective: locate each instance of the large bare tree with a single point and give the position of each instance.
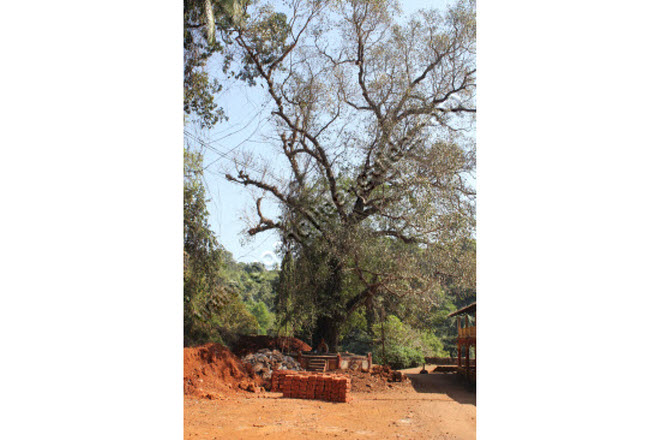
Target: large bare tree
(374, 116)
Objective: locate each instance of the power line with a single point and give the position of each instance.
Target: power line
(253, 248)
(243, 128)
(225, 155)
(239, 144)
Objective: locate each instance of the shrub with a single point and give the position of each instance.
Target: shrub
(405, 347)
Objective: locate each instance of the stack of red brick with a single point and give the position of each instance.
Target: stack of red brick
(277, 379)
(307, 385)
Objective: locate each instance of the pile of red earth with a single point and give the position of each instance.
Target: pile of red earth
(386, 373)
(211, 370)
(307, 385)
(379, 379)
(251, 344)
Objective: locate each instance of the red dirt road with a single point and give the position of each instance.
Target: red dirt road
(435, 406)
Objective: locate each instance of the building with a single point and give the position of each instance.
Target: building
(466, 319)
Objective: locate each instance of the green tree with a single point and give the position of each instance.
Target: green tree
(202, 21)
(403, 345)
(214, 309)
(202, 254)
(371, 115)
(263, 316)
(208, 30)
(294, 307)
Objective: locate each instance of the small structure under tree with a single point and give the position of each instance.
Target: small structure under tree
(466, 319)
(322, 362)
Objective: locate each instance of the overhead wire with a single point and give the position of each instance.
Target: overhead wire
(225, 155)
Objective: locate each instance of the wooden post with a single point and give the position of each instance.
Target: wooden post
(458, 340)
(338, 360)
(467, 356)
(369, 360)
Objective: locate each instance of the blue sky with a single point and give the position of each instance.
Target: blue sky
(248, 111)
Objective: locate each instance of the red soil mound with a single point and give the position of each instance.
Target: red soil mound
(386, 373)
(250, 344)
(211, 370)
(379, 379)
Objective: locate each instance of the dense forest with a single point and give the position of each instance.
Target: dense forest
(373, 113)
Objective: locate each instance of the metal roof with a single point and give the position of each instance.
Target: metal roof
(467, 309)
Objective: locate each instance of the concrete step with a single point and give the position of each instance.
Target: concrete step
(316, 365)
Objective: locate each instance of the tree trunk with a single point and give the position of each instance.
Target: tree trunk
(372, 318)
(332, 315)
(327, 328)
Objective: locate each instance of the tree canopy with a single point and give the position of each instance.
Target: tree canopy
(208, 30)
(374, 118)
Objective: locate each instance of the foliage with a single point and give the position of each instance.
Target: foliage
(253, 281)
(264, 317)
(234, 318)
(296, 312)
(208, 29)
(358, 339)
(404, 346)
(399, 357)
(201, 253)
(371, 114)
(200, 20)
(221, 297)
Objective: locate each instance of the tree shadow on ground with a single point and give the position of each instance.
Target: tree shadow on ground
(450, 384)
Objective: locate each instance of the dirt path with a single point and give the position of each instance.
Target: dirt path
(435, 407)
